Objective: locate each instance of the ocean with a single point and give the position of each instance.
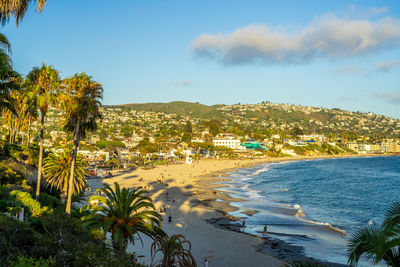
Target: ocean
(316, 204)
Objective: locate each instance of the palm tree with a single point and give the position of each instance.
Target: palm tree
(173, 251)
(7, 76)
(82, 110)
(378, 243)
(17, 8)
(57, 168)
(124, 213)
(44, 83)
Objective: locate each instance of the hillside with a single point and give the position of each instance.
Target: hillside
(182, 108)
(281, 116)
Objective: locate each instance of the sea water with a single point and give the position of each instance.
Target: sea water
(317, 204)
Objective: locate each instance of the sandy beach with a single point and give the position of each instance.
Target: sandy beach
(189, 194)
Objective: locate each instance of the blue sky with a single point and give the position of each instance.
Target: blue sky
(342, 54)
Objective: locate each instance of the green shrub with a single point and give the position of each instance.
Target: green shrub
(97, 234)
(3, 205)
(3, 192)
(50, 201)
(32, 155)
(11, 172)
(32, 204)
(55, 239)
(16, 238)
(22, 261)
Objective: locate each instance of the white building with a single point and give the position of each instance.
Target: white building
(227, 141)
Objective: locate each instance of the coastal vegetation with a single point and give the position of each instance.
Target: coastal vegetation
(43, 83)
(173, 250)
(36, 227)
(81, 102)
(378, 244)
(57, 171)
(125, 212)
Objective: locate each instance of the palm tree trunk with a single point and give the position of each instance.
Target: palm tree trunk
(71, 177)
(9, 132)
(40, 157)
(29, 131)
(19, 127)
(11, 128)
(119, 245)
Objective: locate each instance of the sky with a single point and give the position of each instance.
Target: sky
(335, 54)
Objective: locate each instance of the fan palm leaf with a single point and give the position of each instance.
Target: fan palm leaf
(57, 168)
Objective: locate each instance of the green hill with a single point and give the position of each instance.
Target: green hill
(182, 108)
(281, 116)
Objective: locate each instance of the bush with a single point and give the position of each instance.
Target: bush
(50, 201)
(16, 238)
(3, 192)
(3, 205)
(45, 188)
(32, 204)
(32, 155)
(22, 261)
(11, 172)
(55, 239)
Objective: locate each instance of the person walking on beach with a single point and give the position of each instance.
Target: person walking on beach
(243, 224)
(265, 231)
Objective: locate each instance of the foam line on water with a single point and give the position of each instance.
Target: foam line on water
(257, 172)
(300, 213)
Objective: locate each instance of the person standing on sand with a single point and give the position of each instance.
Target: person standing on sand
(243, 224)
(265, 231)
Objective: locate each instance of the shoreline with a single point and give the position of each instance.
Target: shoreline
(192, 197)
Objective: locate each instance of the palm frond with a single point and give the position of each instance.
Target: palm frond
(18, 9)
(125, 213)
(392, 216)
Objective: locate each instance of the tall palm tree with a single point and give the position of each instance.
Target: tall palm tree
(17, 8)
(44, 83)
(124, 213)
(81, 103)
(173, 251)
(378, 243)
(57, 168)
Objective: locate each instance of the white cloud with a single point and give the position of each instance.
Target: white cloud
(392, 97)
(378, 10)
(328, 36)
(386, 66)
